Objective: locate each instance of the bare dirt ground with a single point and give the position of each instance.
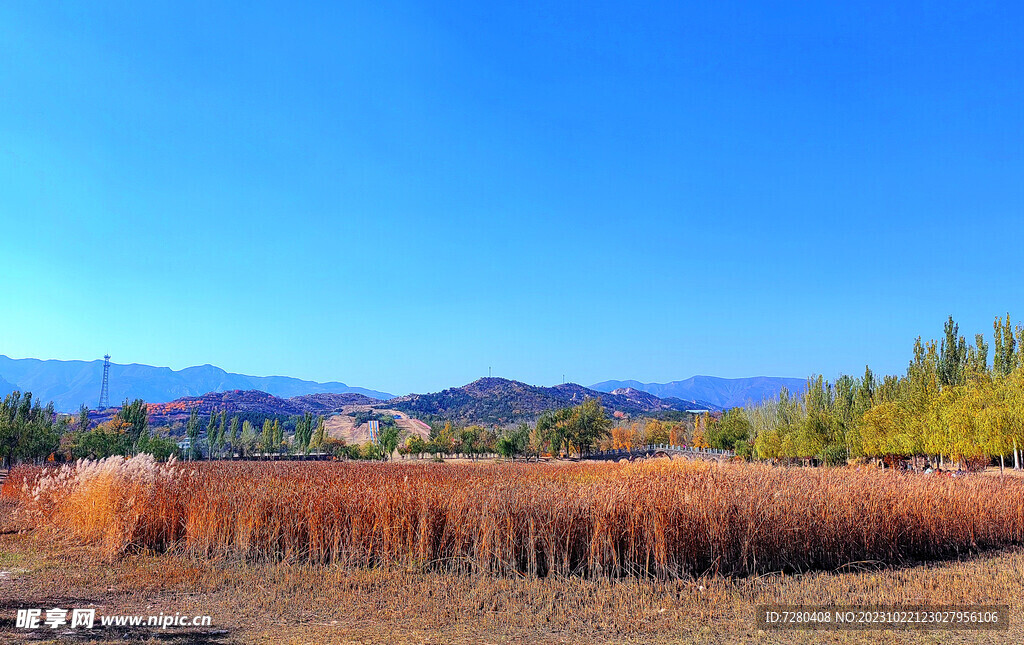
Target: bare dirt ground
(296, 603)
(342, 426)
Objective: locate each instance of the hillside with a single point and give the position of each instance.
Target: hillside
(500, 401)
(69, 384)
(722, 392)
(244, 401)
(345, 427)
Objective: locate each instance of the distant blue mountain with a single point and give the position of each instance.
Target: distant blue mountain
(724, 392)
(6, 387)
(69, 384)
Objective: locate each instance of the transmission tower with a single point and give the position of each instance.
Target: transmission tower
(105, 389)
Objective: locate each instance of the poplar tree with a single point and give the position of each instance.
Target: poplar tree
(977, 355)
(192, 432)
(1004, 359)
(235, 428)
(267, 438)
(952, 356)
(211, 434)
(317, 441)
(248, 439)
(277, 436)
(304, 431)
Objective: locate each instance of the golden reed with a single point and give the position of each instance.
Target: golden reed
(663, 519)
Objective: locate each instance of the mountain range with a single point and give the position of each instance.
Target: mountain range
(70, 384)
(723, 392)
(6, 387)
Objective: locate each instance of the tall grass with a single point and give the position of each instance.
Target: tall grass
(650, 519)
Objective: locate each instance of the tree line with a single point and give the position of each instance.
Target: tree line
(32, 432)
(951, 404)
(221, 436)
(577, 429)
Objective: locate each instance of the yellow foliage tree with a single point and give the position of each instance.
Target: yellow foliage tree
(655, 432)
(698, 440)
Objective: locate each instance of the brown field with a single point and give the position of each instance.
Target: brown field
(441, 553)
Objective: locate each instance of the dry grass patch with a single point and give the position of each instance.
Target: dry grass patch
(303, 603)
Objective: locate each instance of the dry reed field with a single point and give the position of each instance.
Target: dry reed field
(656, 519)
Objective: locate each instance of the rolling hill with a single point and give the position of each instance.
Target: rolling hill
(244, 401)
(70, 384)
(501, 401)
(722, 392)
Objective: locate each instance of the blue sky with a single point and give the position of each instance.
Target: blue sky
(401, 195)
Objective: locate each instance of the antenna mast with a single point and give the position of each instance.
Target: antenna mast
(105, 389)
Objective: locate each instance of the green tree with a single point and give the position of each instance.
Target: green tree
(729, 431)
(977, 356)
(222, 432)
(236, 428)
(469, 438)
(192, 432)
(369, 450)
(316, 443)
(136, 415)
(247, 442)
(588, 425)
(304, 432)
(1004, 358)
(277, 437)
(553, 429)
(211, 434)
(97, 443)
(952, 356)
(513, 442)
(267, 437)
(161, 447)
(387, 439)
(415, 445)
